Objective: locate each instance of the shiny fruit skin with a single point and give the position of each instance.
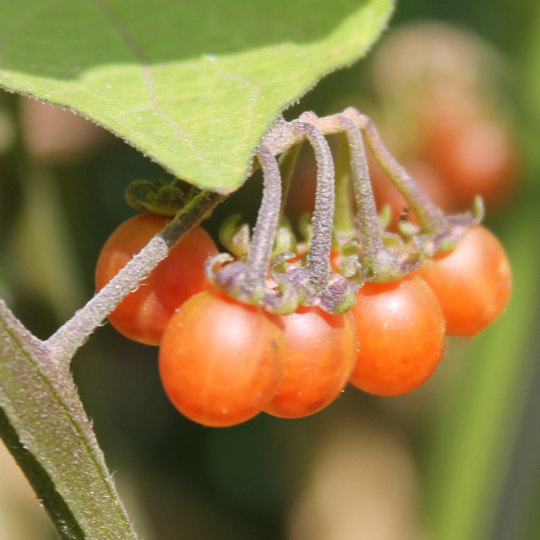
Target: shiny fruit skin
(473, 282)
(221, 361)
(321, 353)
(400, 328)
(145, 312)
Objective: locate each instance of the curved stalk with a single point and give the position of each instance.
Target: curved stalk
(69, 337)
(264, 234)
(430, 216)
(318, 258)
(381, 264)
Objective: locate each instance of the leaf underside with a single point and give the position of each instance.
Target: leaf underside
(194, 85)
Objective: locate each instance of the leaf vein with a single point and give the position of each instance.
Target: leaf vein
(256, 91)
(147, 74)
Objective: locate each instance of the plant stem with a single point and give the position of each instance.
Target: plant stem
(265, 231)
(372, 243)
(69, 337)
(431, 218)
(190, 216)
(283, 136)
(380, 264)
(318, 258)
(42, 420)
(44, 426)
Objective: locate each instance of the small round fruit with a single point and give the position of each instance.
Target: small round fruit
(221, 361)
(145, 312)
(400, 328)
(472, 282)
(321, 353)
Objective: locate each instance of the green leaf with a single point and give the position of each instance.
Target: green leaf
(194, 85)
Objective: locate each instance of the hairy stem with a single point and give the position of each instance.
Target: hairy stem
(69, 337)
(264, 235)
(283, 135)
(372, 243)
(431, 218)
(44, 426)
(380, 264)
(318, 262)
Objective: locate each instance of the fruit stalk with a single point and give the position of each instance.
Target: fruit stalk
(431, 218)
(318, 261)
(380, 264)
(264, 235)
(69, 337)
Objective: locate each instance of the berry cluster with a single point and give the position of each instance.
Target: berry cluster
(281, 326)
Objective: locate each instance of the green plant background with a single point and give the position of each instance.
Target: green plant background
(471, 434)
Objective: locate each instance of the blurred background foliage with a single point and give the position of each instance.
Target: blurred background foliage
(458, 459)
